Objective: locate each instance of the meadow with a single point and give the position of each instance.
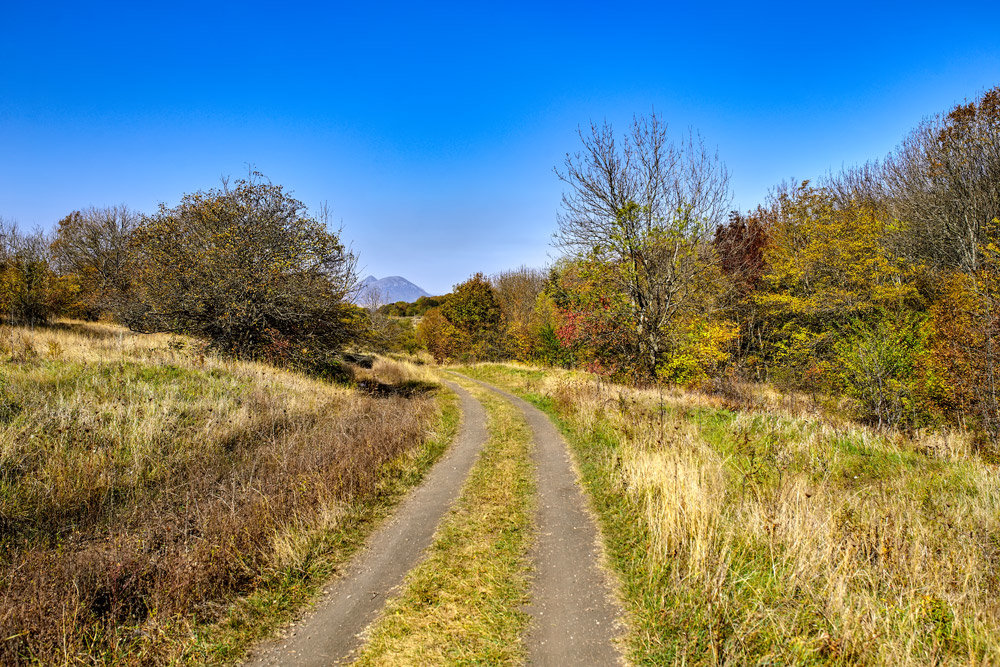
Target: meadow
(160, 503)
(760, 528)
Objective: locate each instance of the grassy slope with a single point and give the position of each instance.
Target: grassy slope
(157, 503)
(768, 537)
(462, 605)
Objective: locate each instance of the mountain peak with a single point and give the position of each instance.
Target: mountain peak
(388, 290)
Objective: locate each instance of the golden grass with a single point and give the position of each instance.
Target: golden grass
(145, 485)
(462, 605)
(777, 536)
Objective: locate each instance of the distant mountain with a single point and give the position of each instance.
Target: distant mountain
(389, 290)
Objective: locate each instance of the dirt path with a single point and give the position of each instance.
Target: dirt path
(574, 617)
(331, 632)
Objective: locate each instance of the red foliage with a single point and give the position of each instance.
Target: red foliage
(740, 246)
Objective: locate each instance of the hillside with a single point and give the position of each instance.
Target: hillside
(161, 504)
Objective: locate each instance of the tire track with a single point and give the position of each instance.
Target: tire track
(574, 617)
(332, 631)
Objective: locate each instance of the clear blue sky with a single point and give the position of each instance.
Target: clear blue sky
(432, 131)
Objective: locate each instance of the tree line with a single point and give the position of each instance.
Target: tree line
(880, 283)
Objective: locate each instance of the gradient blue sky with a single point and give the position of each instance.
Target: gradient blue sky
(432, 130)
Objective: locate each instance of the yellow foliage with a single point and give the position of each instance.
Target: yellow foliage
(825, 259)
(704, 346)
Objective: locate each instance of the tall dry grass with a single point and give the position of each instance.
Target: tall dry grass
(145, 484)
(776, 536)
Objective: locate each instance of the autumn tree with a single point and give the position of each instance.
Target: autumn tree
(644, 208)
(966, 324)
(517, 292)
(438, 335)
(828, 261)
(475, 314)
(94, 246)
(592, 325)
(247, 268)
(30, 292)
(827, 264)
(740, 246)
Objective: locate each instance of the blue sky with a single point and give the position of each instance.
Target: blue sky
(432, 130)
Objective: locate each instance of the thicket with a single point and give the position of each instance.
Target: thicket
(881, 283)
(30, 291)
(245, 267)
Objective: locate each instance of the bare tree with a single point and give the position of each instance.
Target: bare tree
(646, 208)
(943, 182)
(94, 246)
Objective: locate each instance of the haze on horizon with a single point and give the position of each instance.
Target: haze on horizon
(433, 133)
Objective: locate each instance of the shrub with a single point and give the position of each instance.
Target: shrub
(884, 364)
(248, 269)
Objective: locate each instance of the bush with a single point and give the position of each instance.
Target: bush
(250, 271)
(884, 363)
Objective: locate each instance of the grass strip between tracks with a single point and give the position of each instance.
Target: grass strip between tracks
(463, 604)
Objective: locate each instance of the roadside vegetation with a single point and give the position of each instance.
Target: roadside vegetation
(878, 286)
(767, 532)
(463, 604)
(159, 502)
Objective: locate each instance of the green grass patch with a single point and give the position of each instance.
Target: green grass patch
(462, 605)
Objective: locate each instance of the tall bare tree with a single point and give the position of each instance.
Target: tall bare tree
(645, 208)
(943, 182)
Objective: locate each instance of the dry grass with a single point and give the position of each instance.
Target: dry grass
(463, 604)
(775, 536)
(145, 485)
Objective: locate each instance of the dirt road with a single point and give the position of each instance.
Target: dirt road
(330, 633)
(574, 618)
